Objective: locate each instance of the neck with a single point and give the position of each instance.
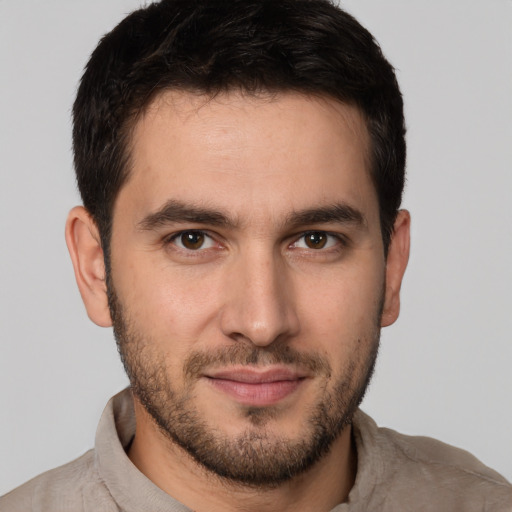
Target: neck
(168, 466)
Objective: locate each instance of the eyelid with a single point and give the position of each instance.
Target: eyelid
(171, 238)
(341, 240)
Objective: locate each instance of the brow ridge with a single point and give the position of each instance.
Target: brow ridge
(340, 213)
(174, 211)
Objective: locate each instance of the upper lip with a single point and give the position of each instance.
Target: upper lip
(254, 375)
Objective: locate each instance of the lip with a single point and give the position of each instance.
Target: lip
(257, 387)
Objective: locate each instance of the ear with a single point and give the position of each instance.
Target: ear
(396, 263)
(83, 241)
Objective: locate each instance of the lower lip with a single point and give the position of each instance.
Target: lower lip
(257, 394)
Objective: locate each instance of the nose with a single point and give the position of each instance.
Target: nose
(260, 300)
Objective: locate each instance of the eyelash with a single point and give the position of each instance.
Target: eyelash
(340, 241)
(176, 236)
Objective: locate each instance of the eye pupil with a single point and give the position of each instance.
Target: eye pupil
(192, 239)
(316, 240)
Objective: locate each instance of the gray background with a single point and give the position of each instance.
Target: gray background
(444, 368)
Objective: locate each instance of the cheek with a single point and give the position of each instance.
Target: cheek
(343, 308)
(170, 306)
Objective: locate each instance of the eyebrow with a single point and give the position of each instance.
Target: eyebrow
(339, 213)
(177, 212)
(174, 211)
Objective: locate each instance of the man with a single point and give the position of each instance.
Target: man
(241, 166)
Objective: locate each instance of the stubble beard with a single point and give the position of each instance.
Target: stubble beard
(256, 457)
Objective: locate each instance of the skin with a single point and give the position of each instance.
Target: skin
(255, 282)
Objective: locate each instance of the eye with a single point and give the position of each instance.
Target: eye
(192, 240)
(316, 240)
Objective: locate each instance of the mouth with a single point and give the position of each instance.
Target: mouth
(256, 387)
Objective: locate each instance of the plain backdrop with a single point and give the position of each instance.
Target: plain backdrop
(444, 368)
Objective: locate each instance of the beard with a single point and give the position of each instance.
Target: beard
(256, 457)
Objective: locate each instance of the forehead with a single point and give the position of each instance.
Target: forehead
(264, 153)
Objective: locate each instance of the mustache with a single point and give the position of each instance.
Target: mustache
(245, 355)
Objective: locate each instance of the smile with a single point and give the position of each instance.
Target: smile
(257, 388)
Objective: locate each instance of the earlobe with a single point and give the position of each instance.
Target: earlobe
(396, 263)
(83, 241)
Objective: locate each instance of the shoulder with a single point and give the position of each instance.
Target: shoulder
(75, 486)
(418, 469)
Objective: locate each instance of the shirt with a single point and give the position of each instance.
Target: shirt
(395, 473)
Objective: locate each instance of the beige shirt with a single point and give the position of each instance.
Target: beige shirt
(395, 473)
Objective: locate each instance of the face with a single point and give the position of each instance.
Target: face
(247, 277)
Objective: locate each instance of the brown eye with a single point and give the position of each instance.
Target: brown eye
(192, 240)
(316, 239)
